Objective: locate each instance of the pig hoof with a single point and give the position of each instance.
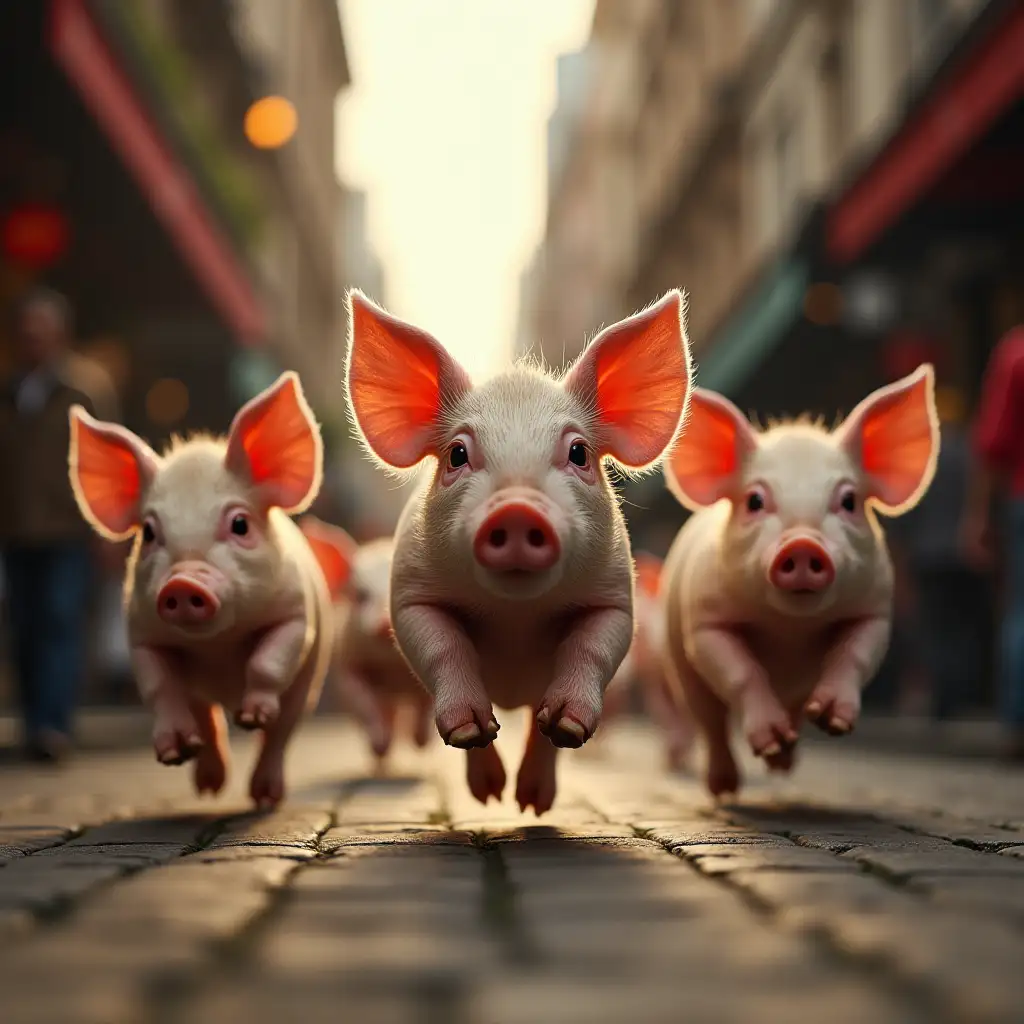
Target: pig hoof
(485, 774)
(258, 710)
(568, 733)
(770, 735)
(469, 736)
(176, 750)
(536, 791)
(267, 791)
(782, 761)
(833, 715)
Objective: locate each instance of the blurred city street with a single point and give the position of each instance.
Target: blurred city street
(882, 888)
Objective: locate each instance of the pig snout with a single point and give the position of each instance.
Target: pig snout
(516, 536)
(188, 596)
(802, 566)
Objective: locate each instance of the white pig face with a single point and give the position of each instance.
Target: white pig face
(797, 486)
(519, 502)
(801, 529)
(206, 557)
(540, 452)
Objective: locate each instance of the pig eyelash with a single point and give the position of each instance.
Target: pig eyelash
(575, 448)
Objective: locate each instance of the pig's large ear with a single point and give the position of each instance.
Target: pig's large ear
(705, 464)
(893, 435)
(275, 443)
(398, 380)
(109, 469)
(334, 550)
(635, 375)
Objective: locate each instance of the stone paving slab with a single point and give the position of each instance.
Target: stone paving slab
(865, 887)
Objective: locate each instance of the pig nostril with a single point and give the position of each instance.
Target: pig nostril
(498, 538)
(816, 565)
(536, 538)
(788, 565)
(196, 601)
(171, 603)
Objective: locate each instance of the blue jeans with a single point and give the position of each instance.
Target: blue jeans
(47, 594)
(1013, 620)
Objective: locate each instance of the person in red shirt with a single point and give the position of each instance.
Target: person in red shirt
(999, 471)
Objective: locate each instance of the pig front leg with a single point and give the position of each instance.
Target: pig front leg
(723, 658)
(177, 737)
(850, 664)
(271, 670)
(266, 787)
(585, 663)
(445, 661)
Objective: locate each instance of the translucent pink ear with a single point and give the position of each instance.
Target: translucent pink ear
(109, 469)
(636, 375)
(397, 382)
(334, 550)
(705, 463)
(893, 435)
(274, 442)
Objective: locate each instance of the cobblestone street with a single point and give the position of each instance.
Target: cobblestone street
(866, 888)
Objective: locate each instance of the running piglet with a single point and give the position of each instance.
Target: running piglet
(779, 588)
(373, 679)
(227, 606)
(512, 582)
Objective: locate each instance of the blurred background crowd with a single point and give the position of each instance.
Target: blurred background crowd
(838, 184)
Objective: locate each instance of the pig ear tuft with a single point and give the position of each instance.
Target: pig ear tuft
(635, 375)
(334, 550)
(274, 443)
(398, 381)
(893, 435)
(109, 469)
(705, 464)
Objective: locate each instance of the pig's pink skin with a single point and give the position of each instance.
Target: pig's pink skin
(485, 774)
(735, 644)
(374, 680)
(264, 655)
(551, 639)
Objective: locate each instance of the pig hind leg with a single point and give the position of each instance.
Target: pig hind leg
(536, 783)
(423, 708)
(366, 706)
(210, 770)
(485, 773)
(266, 787)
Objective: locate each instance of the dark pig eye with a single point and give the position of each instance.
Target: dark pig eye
(148, 534)
(240, 525)
(755, 502)
(458, 456)
(848, 502)
(578, 454)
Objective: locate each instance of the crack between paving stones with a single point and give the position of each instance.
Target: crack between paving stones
(907, 991)
(499, 906)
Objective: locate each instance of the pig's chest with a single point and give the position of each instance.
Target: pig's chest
(792, 660)
(517, 660)
(215, 672)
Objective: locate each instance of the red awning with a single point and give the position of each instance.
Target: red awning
(959, 113)
(78, 47)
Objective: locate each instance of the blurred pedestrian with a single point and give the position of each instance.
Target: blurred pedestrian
(999, 472)
(949, 596)
(47, 548)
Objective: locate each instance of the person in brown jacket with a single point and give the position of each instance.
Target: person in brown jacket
(46, 546)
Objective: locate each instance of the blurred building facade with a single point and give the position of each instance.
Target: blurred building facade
(836, 183)
(198, 265)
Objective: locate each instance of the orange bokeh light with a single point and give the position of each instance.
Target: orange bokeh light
(270, 122)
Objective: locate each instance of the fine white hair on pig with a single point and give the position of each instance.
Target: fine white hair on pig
(779, 587)
(226, 604)
(373, 679)
(512, 579)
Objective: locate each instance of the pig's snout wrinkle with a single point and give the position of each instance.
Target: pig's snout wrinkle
(802, 566)
(185, 600)
(516, 537)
